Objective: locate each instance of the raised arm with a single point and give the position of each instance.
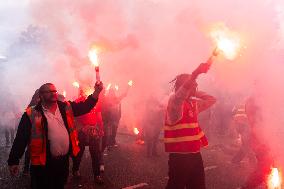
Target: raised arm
(183, 91)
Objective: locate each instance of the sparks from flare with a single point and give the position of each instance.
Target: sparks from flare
(226, 41)
(108, 86)
(64, 94)
(274, 179)
(116, 87)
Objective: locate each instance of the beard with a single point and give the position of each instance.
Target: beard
(51, 99)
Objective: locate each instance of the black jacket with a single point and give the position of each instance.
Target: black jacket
(24, 129)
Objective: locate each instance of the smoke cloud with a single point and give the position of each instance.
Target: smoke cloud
(150, 42)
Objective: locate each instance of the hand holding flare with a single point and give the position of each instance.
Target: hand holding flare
(204, 67)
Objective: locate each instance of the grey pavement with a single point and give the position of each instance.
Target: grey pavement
(128, 167)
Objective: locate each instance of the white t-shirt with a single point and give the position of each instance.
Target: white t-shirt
(57, 133)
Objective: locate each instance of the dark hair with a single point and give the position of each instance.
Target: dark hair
(35, 98)
(41, 87)
(179, 80)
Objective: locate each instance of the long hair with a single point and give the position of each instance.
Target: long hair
(35, 99)
(179, 80)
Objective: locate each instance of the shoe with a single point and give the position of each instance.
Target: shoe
(102, 168)
(99, 180)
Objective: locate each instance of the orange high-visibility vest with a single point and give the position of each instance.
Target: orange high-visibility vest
(38, 136)
(185, 136)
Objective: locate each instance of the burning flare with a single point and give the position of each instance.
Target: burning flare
(93, 56)
(88, 91)
(108, 86)
(64, 94)
(136, 131)
(130, 83)
(76, 84)
(274, 179)
(226, 41)
(116, 87)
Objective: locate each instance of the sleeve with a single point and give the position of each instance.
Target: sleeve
(204, 101)
(83, 107)
(21, 141)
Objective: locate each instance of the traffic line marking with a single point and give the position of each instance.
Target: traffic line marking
(136, 186)
(210, 167)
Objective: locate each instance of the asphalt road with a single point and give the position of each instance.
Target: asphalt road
(128, 166)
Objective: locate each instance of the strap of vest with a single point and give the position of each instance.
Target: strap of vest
(29, 111)
(69, 113)
(71, 129)
(68, 106)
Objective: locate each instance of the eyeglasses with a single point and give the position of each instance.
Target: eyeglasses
(53, 91)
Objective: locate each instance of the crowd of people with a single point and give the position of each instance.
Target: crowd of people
(53, 129)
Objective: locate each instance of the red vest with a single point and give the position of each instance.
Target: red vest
(38, 136)
(185, 136)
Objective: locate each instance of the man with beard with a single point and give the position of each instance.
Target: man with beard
(48, 129)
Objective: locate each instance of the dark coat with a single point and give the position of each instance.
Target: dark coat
(24, 129)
